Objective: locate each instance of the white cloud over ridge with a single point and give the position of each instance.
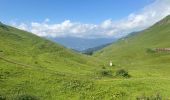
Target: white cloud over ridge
(108, 28)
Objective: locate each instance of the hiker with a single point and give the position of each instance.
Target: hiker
(111, 64)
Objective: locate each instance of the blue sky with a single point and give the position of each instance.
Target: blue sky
(87, 11)
(83, 18)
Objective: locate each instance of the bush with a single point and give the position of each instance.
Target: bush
(105, 72)
(122, 73)
(27, 97)
(2, 97)
(103, 67)
(149, 50)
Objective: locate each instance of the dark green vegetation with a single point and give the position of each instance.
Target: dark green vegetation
(38, 69)
(90, 51)
(122, 73)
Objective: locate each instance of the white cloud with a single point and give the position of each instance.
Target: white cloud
(21, 26)
(108, 28)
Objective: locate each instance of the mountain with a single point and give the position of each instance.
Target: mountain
(81, 44)
(138, 55)
(135, 46)
(34, 68)
(27, 48)
(90, 51)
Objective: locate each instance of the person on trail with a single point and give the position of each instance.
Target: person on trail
(111, 64)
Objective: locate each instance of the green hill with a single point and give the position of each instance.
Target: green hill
(24, 47)
(137, 54)
(30, 65)
(33, 68)
(137, 46)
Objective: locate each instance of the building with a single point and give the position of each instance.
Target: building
(163, 49)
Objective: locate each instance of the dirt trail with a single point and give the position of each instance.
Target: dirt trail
(14, 62)
(149, 78)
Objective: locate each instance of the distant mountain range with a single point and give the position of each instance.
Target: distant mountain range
(81, 44)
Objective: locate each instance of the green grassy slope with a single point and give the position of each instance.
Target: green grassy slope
(30, 65)
(132, 53)
(33, 67)
(29, 49)
(134, 49)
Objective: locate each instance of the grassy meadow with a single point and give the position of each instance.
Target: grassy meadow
(33, 68)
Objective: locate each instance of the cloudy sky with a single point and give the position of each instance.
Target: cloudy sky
(85, 19)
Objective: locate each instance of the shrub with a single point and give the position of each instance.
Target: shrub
(149, 50)
(103, 67)
(2, 97)
(122, 73)
(105, 72)
(27, 97)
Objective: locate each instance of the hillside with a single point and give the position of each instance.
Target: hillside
(30, 65)
(136, 54)
(34, 68)
(135, 47)
(27, 48)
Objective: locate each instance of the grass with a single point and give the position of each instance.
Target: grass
(36, 68)
(146, 66)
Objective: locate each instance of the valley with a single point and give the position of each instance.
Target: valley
(39, 69)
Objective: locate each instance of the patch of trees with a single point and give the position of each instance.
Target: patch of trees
(90, 51)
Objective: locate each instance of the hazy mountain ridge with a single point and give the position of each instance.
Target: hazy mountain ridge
(81, 44)
(90, 51)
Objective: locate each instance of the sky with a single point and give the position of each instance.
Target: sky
(83, 18)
